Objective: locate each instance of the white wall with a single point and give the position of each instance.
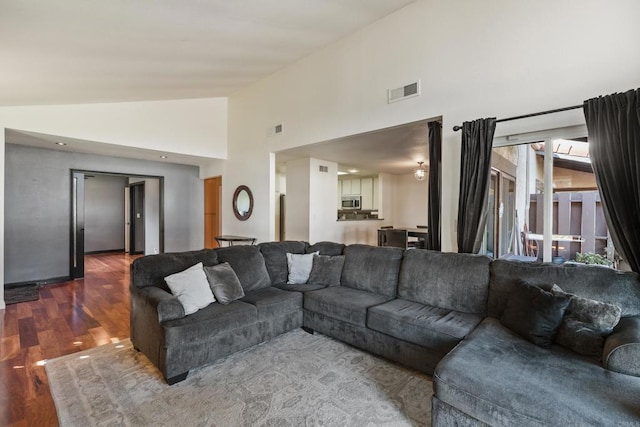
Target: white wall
(410, 201)
(474, 59)
(2, 146)
(323, 204)
(298, 201)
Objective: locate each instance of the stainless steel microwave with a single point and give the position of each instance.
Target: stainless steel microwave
(351, 202)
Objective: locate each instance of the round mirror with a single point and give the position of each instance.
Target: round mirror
(242, 203)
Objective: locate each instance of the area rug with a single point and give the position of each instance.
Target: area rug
(22, 293)
(296, 379)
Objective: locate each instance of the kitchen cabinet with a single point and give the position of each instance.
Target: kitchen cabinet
(355, 187)
(367, 188)
(376, 194)
(346, 187)
(366, 191)
(350, 187)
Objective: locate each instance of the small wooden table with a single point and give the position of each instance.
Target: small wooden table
(230, 239)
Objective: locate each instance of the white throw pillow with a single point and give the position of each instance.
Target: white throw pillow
(299, 267)
(192, 288)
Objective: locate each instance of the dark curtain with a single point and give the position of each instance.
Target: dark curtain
(613, 123)
(475, 172)
(435, 165)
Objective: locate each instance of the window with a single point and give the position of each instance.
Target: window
(545, 178)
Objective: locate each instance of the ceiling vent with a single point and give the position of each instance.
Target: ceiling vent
(404, 92)
(278, 128)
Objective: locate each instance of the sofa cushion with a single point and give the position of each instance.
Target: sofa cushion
(370, 268)
(326, 270)
(421, 324)
(498, 378)
(275, 258)
(346, 304)
(209, 321)
(622, 348)
(597, 283)
(452, 281)
(274, 302)
(534, 314)
(151, 270)
(224, 283)
(300, 288)
(327, 248)
(191, 288)
(248, 263)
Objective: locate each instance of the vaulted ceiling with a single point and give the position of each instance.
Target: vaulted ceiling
(90, 51)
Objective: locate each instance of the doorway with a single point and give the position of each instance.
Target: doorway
(142, 223)
(212, 218)
(137, 218)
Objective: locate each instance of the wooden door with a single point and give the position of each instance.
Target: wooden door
(212, 220)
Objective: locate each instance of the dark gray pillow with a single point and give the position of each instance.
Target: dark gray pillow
(581, 338)
(534, 313)
(224, 283)
(586, 324)
(326, 270)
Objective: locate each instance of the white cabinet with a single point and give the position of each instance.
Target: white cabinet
(376, 194)
(355, 187)
(346, 187)
(366, 191)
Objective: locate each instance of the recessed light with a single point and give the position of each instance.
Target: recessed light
(353, 170)
(62, 144)
(163, 157)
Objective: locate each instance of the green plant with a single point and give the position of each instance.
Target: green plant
(592, 258)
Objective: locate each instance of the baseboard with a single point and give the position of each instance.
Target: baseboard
(40, 283)
(107, 251)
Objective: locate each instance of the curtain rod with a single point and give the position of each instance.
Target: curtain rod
(541, 113)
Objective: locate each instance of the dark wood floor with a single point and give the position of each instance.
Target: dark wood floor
(69, 317)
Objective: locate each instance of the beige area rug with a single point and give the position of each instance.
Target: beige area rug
(296, 379)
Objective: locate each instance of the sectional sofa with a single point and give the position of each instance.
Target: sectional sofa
(439, 313)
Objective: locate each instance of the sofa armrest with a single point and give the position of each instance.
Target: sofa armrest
(622, 348)
(168, 306)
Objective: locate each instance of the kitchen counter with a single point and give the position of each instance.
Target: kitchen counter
(358, 215)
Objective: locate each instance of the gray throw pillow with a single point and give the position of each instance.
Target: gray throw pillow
(586, 324)
(224, 283)
(326, 270)
(534, 313)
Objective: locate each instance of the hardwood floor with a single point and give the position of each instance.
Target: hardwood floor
(69, 317)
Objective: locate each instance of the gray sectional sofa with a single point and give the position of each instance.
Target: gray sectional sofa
(436, 312)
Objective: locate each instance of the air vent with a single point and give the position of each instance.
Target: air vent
(324, 168)
(404, 92)
(278, 128)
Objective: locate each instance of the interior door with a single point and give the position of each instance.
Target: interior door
(137, 218)
(77, 225)
(212, 202)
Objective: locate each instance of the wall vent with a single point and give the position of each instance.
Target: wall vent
(324, 168)
(278, 128)
(404, 92)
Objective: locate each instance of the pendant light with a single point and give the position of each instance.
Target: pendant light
(420, 173)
